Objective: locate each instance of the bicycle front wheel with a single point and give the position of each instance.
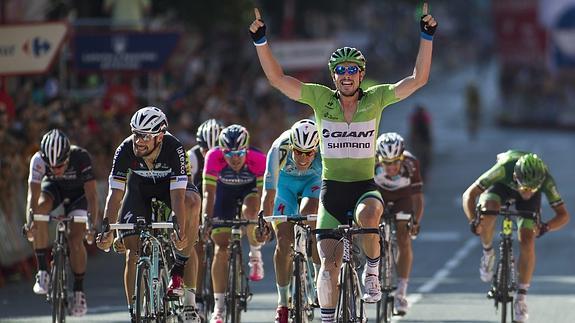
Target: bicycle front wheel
(299, 295)
(143, 294)
(58, 288)
(207, 287)
(346, 309)
(233, 310)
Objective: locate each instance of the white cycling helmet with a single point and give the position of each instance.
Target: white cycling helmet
(54, 147)
(390, 146)
(304, 135)
(149, 120)
(208, 133)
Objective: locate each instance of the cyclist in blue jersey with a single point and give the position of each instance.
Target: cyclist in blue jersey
(348, 120)
(293, 171)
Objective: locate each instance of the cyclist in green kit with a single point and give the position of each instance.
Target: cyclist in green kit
(519, 176)
(347, 119)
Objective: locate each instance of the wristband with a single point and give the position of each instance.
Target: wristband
(426, 36)
(262, 41)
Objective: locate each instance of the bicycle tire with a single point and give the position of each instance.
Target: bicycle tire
(58, 290)
(503, 282)
(207, 287)
(143, 294)
(344, 310)
(233, 311)
(299, 298)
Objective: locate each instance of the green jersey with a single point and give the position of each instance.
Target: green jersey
(502, 172)
(348, 150)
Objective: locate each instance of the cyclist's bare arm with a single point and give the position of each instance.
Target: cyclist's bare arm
(268, 201)
(91, 191)
(560, 219)
(113, 203)
(177, 198)
(417, 199)
(410, 84)
(209, 200)
(34, 190)
(469, 199)
(288, 85)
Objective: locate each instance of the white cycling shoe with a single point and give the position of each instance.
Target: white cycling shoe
(42, 283)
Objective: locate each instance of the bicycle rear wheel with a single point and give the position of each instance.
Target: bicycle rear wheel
(58, 288)
(503, 283)
(233, 308)
(143, 294)
(207, 287)
(347, 310)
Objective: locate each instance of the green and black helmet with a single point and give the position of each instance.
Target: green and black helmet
(530, 171)
(346, 54)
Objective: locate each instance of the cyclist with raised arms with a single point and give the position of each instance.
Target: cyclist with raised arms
(293, 170)
(60, 171)
(233, 176)
(519, 176)
(207, 137)
(151, 163)
(348, 120)
(398, 176)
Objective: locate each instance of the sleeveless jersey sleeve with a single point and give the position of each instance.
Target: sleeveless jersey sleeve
(313, 94)
(37, 169)
(180, 167)
(213, 166)
(490, 177)
(549, 188)
(120, 167)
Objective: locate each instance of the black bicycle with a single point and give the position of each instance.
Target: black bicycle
(387, 266)
(206, 289)
(303, 289)
(58, 289)
(238, 290)
(504, 282)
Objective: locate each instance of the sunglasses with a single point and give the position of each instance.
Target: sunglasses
(143, 136)
(59, 165)
(351, 70)
(300, 152)
(528, 189)
(237, 153)
(395, 161)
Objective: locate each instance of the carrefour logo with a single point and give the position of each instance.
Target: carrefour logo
(36, 47)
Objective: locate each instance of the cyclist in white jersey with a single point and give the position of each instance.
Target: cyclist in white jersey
(347, 118)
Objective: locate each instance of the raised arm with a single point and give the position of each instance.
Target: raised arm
(288, 85)
(410, 84)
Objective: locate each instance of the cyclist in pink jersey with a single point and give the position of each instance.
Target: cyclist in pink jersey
(233, 176)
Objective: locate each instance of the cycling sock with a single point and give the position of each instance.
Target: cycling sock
(372, 267)
(316, 270)
(327, 315)
(190, 297)
(255, 251)
(41, 258)
(78, 282)
(219, 302)
(521, 292)
(488, 249)
(402, 286)
(283, 292)
(178, 268)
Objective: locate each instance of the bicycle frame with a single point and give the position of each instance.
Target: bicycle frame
(152, 261)
(58, 288)
(504, 282)
(303, 285)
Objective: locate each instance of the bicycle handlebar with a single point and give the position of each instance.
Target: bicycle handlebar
(504, 212)
(48, 217)
(240, 222)
(346, 229)
(291, 218)
(132, 226)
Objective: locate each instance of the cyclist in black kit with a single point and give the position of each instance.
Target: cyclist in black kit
(151, 163)
(58, 172)
(207, 137)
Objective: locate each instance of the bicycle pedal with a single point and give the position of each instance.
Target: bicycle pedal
(491, 294)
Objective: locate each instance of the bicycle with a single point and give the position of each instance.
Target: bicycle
(207, 290)
(58, 287)
(152, 271)
(303, 289)
(504, 282)
(388, 262)
(238, 290)
(350, 306)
